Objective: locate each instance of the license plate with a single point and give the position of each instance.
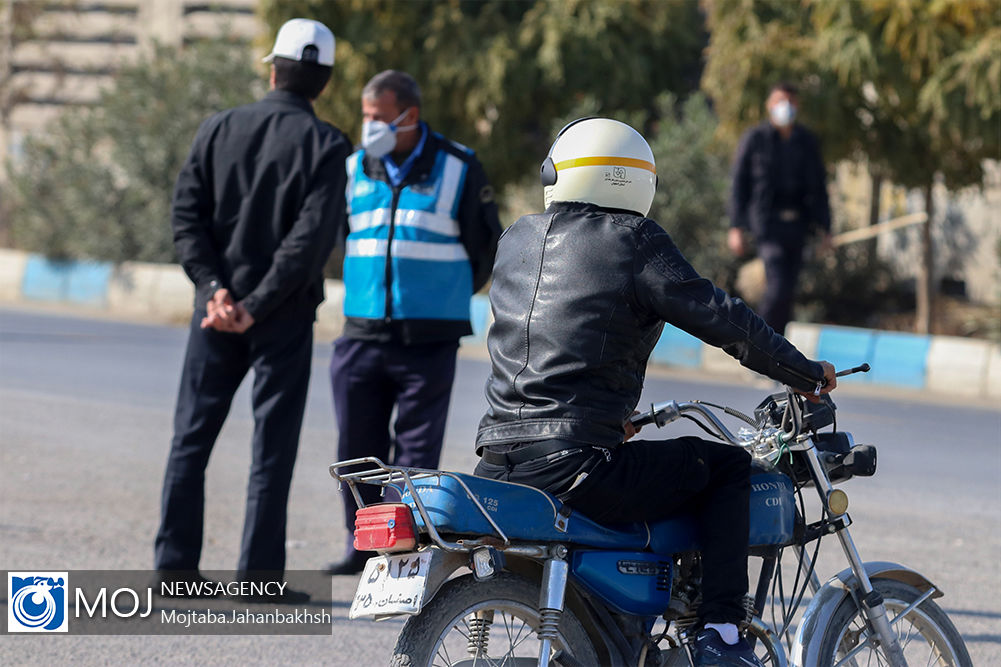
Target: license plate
(392, 585)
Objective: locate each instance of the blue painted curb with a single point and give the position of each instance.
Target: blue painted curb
(84, 283)
(900, 359)
(678, 348)
(846, 347)
(897, 359)
(479, 317)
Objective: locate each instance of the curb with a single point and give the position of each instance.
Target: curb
(941, 364)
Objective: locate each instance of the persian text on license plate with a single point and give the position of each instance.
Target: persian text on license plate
(391, 585)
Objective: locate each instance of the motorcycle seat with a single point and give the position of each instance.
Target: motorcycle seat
(522, 512)
(527, 514)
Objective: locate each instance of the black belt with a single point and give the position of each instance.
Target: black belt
(535, 450)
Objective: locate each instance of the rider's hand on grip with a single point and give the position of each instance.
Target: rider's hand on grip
(829, 383)
(629, 428)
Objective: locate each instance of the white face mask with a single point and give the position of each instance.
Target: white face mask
(783, 113)
(378, 138)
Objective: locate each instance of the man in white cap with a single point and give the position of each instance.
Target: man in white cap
(258, 206)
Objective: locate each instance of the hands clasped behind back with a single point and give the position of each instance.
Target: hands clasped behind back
(225, 315)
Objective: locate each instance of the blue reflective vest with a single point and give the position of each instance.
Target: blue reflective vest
(407, 239)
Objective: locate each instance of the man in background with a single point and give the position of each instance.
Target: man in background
(257, 209)
(423, 230)
(778, 196)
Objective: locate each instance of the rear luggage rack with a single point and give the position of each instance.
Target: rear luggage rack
(387, 476)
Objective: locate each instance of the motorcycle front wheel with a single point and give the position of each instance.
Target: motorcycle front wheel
(485, 623)
(925, 633)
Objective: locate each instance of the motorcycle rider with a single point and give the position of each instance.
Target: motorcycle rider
(580, 295)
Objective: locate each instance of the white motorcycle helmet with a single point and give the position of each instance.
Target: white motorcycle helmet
(600, 161)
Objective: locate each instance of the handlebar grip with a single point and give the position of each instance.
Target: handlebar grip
(641, 420)
(660, 414)
(864, 368)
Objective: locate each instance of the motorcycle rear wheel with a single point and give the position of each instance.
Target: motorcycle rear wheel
(447, 630)
(926, 634)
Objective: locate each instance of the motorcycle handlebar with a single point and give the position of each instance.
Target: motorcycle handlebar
(662, 414)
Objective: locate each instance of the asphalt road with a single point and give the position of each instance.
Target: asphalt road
(85, 422)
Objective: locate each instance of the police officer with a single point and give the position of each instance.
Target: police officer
(779, 196)
(423, 230)
(257, 209)
(580, 295)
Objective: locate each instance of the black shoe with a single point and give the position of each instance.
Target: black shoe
(184, 584)
(352, 564)
(290, 596)
(712, 651)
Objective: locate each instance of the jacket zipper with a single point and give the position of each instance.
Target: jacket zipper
(388, 317)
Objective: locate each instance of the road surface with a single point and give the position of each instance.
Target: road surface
(85, 423)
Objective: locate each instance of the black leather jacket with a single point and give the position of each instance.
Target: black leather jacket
(580, 295)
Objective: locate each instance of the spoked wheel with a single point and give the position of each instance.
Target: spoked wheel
(926, 635)
(485, 623)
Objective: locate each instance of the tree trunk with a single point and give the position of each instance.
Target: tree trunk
(925, 294)
(876, 181)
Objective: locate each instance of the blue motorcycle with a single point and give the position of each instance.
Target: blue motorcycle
(497, 573)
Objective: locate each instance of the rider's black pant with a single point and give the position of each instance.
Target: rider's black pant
(648, 481)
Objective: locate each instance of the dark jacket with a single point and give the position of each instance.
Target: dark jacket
(769, 177)
(479, 229)
(259, 203)
(579, 296)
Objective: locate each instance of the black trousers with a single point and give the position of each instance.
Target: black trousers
(650, 480)
(369, 380)
(279, 350)
(783, 262)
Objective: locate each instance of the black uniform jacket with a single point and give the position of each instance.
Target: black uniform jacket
(259, 204)
(579, 297)
(479, 229)
(770, 177)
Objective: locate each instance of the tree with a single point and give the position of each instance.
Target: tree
(693, 178)
(98, 184)
(924, 84)
(495, 74)
(17, 21)
(911, 87)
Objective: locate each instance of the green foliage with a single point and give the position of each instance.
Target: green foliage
(752, 45)
(913, 87)
(910, 87)
(98, 184)
(693, 180)
(495, 73)
(851, 288)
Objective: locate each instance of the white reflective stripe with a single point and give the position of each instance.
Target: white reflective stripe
(437, 252)
(351, 165)
(449, 185)
(432, 222)
(366, 219)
